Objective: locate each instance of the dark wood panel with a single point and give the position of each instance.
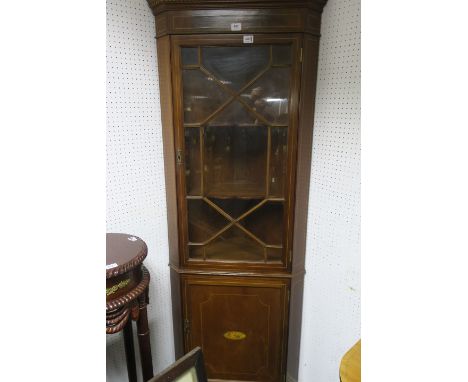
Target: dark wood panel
(304, 149)
(304, 154)
(240, 324)
(165, 89)
(177, 313)
(252, 21)
(295, 325)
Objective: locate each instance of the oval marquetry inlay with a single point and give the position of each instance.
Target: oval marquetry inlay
(234, 335)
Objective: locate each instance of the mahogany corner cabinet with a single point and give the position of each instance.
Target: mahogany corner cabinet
(237, 87)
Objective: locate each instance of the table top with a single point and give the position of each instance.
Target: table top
(350, 368)
(123, 252)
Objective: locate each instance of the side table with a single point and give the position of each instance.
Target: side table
(127, 282)
(350, 367)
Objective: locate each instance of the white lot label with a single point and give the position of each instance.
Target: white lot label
(248, 39)
(236, 27)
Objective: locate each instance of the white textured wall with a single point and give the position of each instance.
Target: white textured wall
(136, 193)
(331, 311)
(136, 201)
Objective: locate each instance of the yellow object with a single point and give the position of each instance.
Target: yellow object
(234, 335)
(350, 368)
(116, 287)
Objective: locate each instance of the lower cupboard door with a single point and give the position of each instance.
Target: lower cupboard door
(240, 324)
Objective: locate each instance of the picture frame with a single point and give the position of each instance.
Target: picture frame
(189, 368)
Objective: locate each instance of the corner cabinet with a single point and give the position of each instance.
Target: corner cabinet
(237, 85)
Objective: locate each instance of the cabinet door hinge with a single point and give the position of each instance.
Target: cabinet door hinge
(300, 55)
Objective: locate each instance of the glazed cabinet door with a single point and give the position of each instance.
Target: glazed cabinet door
(236, 116)
(240, 324)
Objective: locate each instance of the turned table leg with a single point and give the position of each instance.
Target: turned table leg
(144, 339)
(130, 351)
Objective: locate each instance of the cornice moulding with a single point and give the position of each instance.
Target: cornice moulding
(159, 6)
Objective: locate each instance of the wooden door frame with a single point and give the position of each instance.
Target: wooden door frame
(295, 39)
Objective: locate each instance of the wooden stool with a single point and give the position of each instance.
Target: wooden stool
(127, 283)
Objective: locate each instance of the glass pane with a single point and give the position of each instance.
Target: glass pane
(266, 223)
(202, 96)
(235, 207)
(274, 255)
(189, 56)
(235, 161)
(203, 221)
(192, 161)
(196, 252)
(235, 114)
(281, 54)
(228, 155)
(269, 95)
(278, 161)
(235, 66)
(234, 245)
